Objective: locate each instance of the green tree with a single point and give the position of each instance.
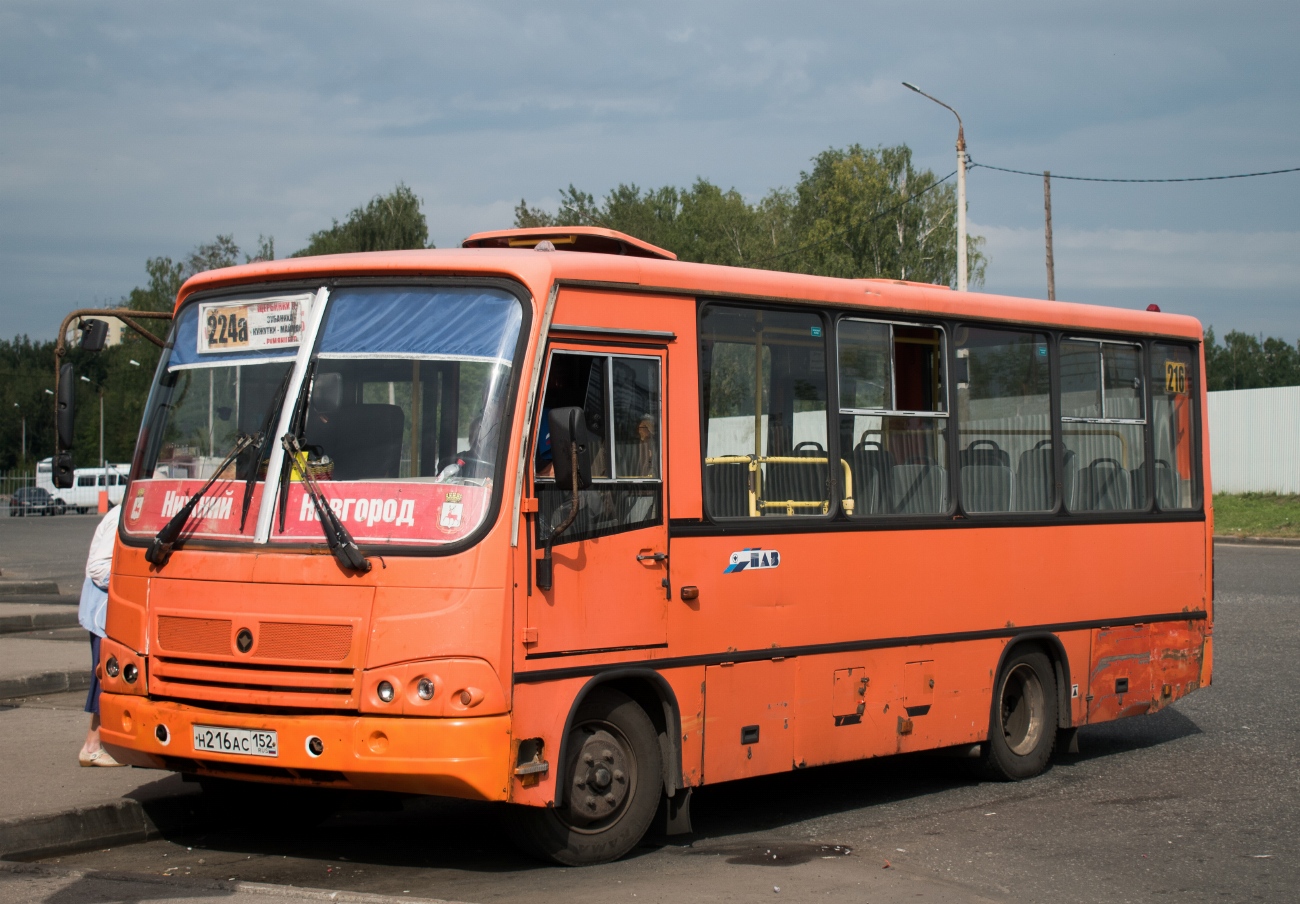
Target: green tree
(870, 213)
(390, 222)
(858, 213)
(1244, 361)
(213, 255)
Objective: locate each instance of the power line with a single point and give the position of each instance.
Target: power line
(1039, 174)
(843, 232)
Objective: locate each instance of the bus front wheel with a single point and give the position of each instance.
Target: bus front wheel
(1022, 727)
(613, 779)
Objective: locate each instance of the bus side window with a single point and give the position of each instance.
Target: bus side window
(1103, 426)
(1172, 395)
(893, 416)
(765, 394)
(1004, 421)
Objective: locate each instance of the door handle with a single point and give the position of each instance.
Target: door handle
(653, 557)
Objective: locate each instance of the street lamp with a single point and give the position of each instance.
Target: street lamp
(102, 463)
(24, 419)
(961, 187)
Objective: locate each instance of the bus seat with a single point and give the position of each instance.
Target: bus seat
(986, 488)
(920, 488)
(1104, 486)
(726, 488)
(1034, 479)
(798, 482)
(985, 477)
(873, 469)
(984, 452)
(364, 441)
(1034, 490)
(1166, 485)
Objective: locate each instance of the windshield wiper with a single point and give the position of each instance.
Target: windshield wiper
(264, 447)
(160, 550)
(342, 546)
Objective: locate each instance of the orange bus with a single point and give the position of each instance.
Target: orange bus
(556, 520)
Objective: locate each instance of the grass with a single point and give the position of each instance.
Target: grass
(1257, 515)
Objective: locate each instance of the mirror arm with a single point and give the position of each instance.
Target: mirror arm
(545, 568)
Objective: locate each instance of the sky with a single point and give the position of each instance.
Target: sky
(137, 130)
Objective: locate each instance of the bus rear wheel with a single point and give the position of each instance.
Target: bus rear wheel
(612, 783)
(1022, 727)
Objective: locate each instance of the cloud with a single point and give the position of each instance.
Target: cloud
(1143, 259)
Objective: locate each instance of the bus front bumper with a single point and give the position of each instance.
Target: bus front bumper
(466, 758)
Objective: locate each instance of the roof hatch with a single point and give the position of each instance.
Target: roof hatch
(592, 239)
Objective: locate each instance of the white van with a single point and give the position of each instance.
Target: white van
(83, 495)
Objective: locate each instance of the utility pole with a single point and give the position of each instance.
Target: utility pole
(1047, 208)
(961, 187)
(23, 460)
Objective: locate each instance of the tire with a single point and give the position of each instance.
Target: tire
(1022, 723)
(613, 750)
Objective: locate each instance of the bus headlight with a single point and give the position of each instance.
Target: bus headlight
(385, 691)
(130, 673)
(111, 667)
(424, 689)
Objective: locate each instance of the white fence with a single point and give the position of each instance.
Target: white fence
(1255, 440)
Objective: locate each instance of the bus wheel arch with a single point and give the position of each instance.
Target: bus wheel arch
(1029, 707)
(611, 762)
(655, 696)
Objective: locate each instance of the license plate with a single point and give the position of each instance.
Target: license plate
(213, 739)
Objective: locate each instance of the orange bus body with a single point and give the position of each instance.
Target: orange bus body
(866, 641)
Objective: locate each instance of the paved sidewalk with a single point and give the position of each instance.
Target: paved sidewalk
(50, 802)
(21, 883)
(30, 666)
(30, 616)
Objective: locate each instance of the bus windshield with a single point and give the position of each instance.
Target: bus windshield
(404, 411)
(400, 414)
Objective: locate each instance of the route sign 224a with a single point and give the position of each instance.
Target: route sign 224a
(236, 326)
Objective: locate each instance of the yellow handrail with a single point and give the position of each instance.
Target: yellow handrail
(754, 488)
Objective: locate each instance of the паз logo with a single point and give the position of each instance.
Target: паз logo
(752, 559)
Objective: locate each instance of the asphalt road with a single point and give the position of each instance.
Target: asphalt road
(48, 548)
(1200, 802)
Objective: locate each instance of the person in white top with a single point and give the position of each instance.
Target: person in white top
(92, 614)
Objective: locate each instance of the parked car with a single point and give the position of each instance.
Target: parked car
(35, 501)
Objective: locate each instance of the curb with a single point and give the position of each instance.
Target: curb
(120, 822)
(37, 599)
(180, 884)
(12, 588)
(43, 683)
(37, 621)
(1255, 541)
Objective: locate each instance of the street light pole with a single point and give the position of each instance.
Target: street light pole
(103, 465)
(961, 188)
(23, 460)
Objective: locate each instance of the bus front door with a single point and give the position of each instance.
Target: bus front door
(610, 566)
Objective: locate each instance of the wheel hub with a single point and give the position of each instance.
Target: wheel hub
(600, 777)
(1023, 706)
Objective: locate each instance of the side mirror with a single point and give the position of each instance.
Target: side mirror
(569, 432)
(63, 476)
(94, 335)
